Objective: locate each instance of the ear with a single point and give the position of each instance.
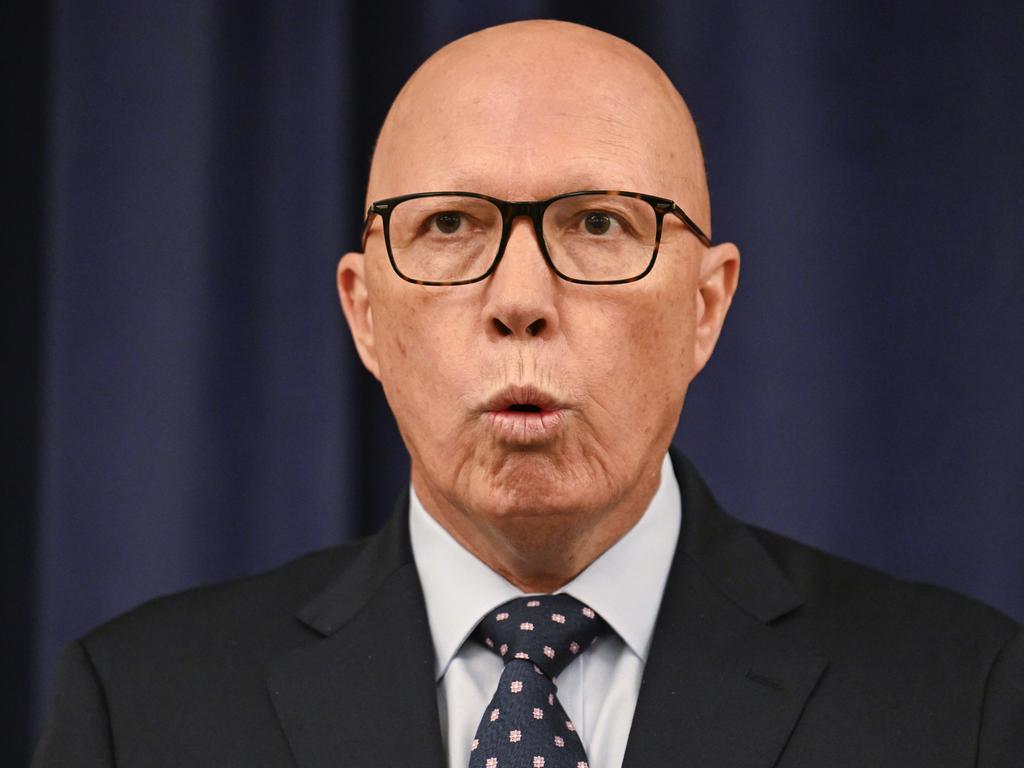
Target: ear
(719, 276)
(355, 303)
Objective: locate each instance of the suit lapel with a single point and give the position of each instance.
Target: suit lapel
(721, 687)
(362, 693)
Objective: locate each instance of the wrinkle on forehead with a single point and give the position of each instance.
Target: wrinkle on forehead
(523, 78)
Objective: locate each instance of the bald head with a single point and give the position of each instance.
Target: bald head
(501, 104)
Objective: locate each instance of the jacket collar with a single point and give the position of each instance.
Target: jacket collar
(727, 553)
(381, 556)
(362, 692)
(721, 687)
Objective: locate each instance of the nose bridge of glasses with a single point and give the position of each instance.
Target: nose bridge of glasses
(530, 209)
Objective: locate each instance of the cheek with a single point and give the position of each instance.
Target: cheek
(671, 334)
(643, 361)
(421, 357)
(405, 353)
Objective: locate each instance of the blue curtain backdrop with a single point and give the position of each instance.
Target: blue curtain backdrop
(202, 414)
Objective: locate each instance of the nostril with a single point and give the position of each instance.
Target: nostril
(536, 327)
(502, 329)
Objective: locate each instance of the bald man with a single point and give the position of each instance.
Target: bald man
(537, 287)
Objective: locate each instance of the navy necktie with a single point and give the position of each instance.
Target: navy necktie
(525, 726)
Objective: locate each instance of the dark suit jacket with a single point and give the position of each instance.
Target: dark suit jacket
(766, 653)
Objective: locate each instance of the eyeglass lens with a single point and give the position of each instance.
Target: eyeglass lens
(448, 238)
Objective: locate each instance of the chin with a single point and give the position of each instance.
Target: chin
(531, 486)
(531, 506)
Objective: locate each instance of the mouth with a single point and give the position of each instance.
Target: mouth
(525, 415)
(524, 408)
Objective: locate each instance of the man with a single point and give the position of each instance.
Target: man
(536, 290)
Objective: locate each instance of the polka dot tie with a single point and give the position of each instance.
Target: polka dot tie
(525, 726)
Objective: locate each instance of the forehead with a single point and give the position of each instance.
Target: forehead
(530, 131)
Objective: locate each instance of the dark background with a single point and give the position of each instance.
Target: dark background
(182, 403)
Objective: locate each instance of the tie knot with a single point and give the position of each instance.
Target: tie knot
(548, 630)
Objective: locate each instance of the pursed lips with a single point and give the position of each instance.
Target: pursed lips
(525, 414)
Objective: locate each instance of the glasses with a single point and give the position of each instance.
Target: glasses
(591, 237)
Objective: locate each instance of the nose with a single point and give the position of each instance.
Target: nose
(520, 294)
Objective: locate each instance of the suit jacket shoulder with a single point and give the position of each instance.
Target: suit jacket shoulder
(813, 660)
(188, 679)
(919, 673)
(166, 682)
(888, 607)
(204, 618)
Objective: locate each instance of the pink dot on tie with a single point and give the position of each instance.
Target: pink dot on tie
(588, 612)
(582, 764)
(474, 745)
(533, 604)
(492, 762)
(515, 736)
(551, 699)
(569, 725)
(516, 686)
(558, 618)
(501, 616)
(495, 714)
(538, 762)
(538, 713)
(559, 741)
(522, 655)
(488, 642)
(503, 649)
(574, 647)
(526, 626)
(549, 651)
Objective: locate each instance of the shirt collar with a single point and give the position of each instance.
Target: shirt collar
(624, 585)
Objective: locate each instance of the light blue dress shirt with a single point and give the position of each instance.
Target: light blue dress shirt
(599, 689)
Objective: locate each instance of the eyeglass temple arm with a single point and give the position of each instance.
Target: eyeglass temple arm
(691, 224)
(367, 224)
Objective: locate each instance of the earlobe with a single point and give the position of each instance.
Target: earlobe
(355, 303)
(718, 279)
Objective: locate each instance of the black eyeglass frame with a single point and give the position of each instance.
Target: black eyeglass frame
(534, 210)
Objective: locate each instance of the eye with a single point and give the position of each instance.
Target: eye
(447, 222)
(597, 223)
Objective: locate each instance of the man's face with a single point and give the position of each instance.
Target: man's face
(606, 365)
